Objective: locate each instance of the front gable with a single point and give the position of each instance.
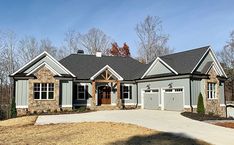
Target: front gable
(159, 68)
(43, 60)
(209, 62)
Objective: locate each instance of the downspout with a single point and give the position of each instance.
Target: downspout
(190, 94)
(137, 94)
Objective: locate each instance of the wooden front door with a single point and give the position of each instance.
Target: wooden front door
(104, 95)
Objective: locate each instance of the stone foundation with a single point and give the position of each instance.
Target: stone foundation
(22, 111)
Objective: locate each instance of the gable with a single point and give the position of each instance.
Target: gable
(48, 62)
(210, 61)
(42, 60)
(159, 68)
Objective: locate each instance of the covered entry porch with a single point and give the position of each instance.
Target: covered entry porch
(106, 88)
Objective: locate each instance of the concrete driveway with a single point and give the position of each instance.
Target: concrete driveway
(167, 121)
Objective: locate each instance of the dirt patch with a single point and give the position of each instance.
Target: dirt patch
(225, 124)
(19, 121)
(89, 133)
(203, 117)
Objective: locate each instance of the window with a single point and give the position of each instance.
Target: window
(126, 92)
(43, 91)
(81, 92)
(151, 91)
(168, 90)
(211, 90)
(178, 90)
(36, 91)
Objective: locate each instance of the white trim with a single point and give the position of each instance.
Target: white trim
(130, 103)
(21, 106)
(51, 58)
(222, 105)
(217, 62)
(158, 59)
(129, 93)
(47, 66)
(66, 105)
(110, 69)
(187, 106)
(28, 63)
(113, 104)
(200, 59)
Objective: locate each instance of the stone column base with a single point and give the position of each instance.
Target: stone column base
(22, 111)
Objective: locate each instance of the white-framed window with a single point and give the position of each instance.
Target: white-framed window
(81, 92)
(211, 90)
(126, 92)
(151, 91)
(43, 91)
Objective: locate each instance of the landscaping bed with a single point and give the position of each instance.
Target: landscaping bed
(204, 117)
(225, 124)
(88, 133)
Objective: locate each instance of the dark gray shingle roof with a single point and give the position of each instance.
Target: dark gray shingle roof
(184, 62)
(85, 66)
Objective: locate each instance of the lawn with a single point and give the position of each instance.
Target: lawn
(22, 131)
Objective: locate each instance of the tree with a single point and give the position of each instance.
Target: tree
(120, 51)
(200, 105)
(152, 42)
(28, 49)
(95, 40)
(46, 45)
(226, 57)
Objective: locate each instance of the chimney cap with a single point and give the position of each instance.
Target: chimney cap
(98, 54)
(80, 51)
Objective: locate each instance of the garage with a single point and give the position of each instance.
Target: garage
(173, 99)
(151, 99)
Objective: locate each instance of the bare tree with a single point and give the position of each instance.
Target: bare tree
(226, 56)
(152, 42)
(95, 40)
(46, 45)
(28, 49)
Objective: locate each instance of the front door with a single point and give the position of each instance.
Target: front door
(104, 95)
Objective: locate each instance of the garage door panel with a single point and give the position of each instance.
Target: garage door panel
(173, 100)
(151, 101)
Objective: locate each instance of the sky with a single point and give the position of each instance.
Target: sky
(189, 23)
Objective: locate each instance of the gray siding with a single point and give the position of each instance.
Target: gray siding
(195, 90)
(221, 93)
(21, 93)
(164, 84)
(66, 87)
(207, 59)
(159, 68)
(49, 62)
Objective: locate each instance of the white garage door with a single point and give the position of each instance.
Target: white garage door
(151, 99)
(173, 99)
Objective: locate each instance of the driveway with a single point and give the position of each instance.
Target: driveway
(167, 121)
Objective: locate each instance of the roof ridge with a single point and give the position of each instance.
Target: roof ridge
(204, 47)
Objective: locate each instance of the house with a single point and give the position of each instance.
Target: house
(170, 82)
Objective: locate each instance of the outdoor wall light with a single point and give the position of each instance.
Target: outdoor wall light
(170, 85)
(148, 86)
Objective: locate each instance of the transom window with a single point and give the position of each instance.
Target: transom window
(151, 91)
(43, 91)
(126, 92)
(81, 92)
(211, 90)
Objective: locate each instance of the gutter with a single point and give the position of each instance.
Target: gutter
(190, 94)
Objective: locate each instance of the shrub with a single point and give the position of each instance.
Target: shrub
(200, 105)
(13, 108)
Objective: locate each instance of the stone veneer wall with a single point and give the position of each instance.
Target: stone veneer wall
(213, 105)
(44, 75)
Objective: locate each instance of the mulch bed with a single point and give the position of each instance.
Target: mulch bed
(203, 117)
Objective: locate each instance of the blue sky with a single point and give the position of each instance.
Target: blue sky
(190, 24)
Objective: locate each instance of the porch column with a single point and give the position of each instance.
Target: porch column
(118, 99)
(93, 103)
